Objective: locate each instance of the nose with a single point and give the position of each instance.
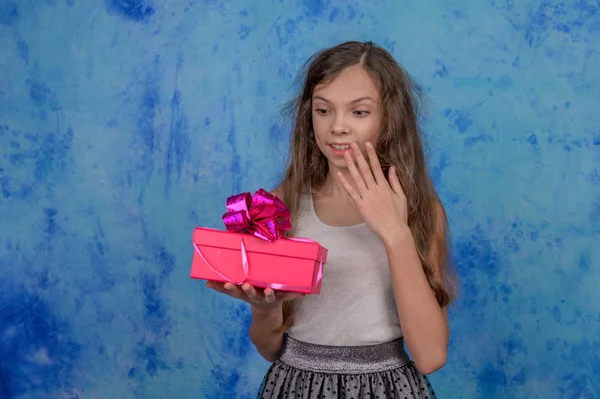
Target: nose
(340, 126)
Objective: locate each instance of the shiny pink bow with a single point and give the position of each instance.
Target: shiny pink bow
(262, 215)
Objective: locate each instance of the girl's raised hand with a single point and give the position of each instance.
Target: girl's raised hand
(261, 300)
(382, 205)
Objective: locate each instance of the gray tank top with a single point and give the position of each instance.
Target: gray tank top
(356, 305)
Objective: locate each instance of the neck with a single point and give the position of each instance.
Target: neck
(332, 186)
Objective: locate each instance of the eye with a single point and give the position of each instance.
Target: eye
(321, 111)
(361, 114)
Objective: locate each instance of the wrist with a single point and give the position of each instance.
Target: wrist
(271, 312)
(400, 237)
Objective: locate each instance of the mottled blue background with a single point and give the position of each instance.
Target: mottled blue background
(126, 123)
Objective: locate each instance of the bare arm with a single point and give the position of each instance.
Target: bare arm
(263, 334)
(424, 323)
(267, 312)
(267, 315)
(383, 205)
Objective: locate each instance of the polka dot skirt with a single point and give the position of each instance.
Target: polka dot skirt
(310, 371)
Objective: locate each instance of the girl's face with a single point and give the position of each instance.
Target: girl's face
(344, 110)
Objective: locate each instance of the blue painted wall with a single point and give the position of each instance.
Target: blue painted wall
(126, 123)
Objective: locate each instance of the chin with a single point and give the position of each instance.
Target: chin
(337, 164)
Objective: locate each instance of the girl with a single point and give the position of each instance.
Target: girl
(357, 183)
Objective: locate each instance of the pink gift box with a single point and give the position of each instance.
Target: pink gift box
(285, 264)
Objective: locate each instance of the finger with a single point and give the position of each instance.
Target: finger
(251, 293)
(375, 165)
(270, 296)
(234, 291)
(363, 166)
(395, 182)
(213, 285)
(360, 183)
(351, 192)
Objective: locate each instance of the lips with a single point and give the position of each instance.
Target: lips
(340, 147)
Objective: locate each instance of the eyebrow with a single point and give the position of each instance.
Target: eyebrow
(351, 102)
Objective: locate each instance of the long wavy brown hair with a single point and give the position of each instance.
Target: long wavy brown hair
(399, 144)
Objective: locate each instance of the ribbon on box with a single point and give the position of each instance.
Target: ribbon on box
(265, 216)
(262, 215)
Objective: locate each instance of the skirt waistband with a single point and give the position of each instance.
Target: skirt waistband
(344, 359)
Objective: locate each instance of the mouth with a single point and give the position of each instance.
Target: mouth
(340, 147)
(339, 150)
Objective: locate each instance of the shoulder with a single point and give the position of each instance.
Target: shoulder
(278, 191)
